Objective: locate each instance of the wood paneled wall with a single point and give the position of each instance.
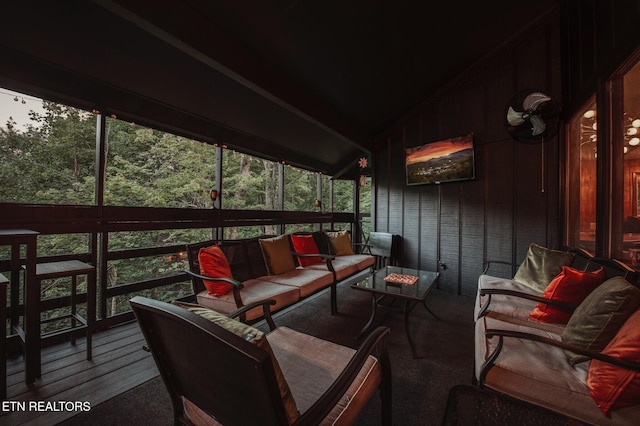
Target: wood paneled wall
(514, 200)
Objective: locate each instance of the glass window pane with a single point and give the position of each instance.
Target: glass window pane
(581, 177)
(631, 152)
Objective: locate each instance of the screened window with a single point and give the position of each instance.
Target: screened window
(47, 151)
(150, 168)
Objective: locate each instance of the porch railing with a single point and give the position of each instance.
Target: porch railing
(100, 222)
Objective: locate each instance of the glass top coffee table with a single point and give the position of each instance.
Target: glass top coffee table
(393, 283)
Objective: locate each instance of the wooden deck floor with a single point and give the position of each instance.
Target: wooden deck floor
(118, 364)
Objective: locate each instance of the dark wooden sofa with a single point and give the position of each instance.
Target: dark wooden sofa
(253, 281)
(542, 362)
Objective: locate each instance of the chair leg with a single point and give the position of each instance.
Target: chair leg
(334, 299)
(74, 287)
(385, 386)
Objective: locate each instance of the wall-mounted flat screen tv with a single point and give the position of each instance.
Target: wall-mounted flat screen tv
(446, 160)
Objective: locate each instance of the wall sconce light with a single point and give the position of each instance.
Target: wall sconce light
(214, 196)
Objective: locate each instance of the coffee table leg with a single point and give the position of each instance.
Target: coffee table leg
(424, 303)
(374, 308)
(407, 311)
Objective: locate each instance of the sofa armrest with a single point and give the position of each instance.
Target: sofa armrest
(328, 258)
(376, 344)
(488, 263)
(489, 292)
(231, 281)
(502, 334)
(266, 310)
(237, 286)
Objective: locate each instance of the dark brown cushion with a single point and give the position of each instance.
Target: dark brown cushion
(277, 254)
(599, 317)
(541, 266)
(340, 243)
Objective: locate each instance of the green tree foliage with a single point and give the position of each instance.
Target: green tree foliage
(53, 161)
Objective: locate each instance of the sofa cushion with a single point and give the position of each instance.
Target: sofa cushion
(306, 280)
(599, 317)
(257, 337)
(340, 243)
(214, 264)
(305, 244)
(311, 365)
(540, 266)
(614, 387)
(253, 291)
(277, 254)
(570, 286)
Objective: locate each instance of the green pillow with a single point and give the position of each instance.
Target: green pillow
(255, 336)
(541, 266)
(600, 315)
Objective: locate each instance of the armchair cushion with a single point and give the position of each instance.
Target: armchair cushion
(277, 254)
(305, 244)
(614, 387)
(599, 317)
(257, 337)
(571, 286)
(213, 263)
(540, 266)
(311, 365)
(340, 243)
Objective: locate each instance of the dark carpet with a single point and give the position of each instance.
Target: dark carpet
(420, 386)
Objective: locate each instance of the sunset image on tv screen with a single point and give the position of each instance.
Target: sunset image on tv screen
(441, 161)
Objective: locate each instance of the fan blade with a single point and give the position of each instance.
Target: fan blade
(538, 125)
(514, 118)
(534, 100)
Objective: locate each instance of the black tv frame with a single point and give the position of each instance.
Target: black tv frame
(441, 161)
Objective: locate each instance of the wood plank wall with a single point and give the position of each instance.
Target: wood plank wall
(497, 215)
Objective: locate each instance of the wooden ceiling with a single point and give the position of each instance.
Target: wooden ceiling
(307, 82)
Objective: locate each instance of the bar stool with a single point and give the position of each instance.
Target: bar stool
(61, 269)
(3, 337)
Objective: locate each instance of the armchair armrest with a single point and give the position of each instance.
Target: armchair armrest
(501, 334)
(376, 341)
(505, 292)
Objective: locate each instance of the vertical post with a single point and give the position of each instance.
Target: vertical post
(331, 201)
(319, 197)
(281, 193)
(218, 231)
(357, 224)
(98, 240)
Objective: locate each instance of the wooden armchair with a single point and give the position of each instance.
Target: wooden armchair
(217, 376)
(383, 246)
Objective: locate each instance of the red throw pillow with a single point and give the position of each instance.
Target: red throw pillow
(213, 263)
(305, 244)
(614, 387)
(571, 286)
